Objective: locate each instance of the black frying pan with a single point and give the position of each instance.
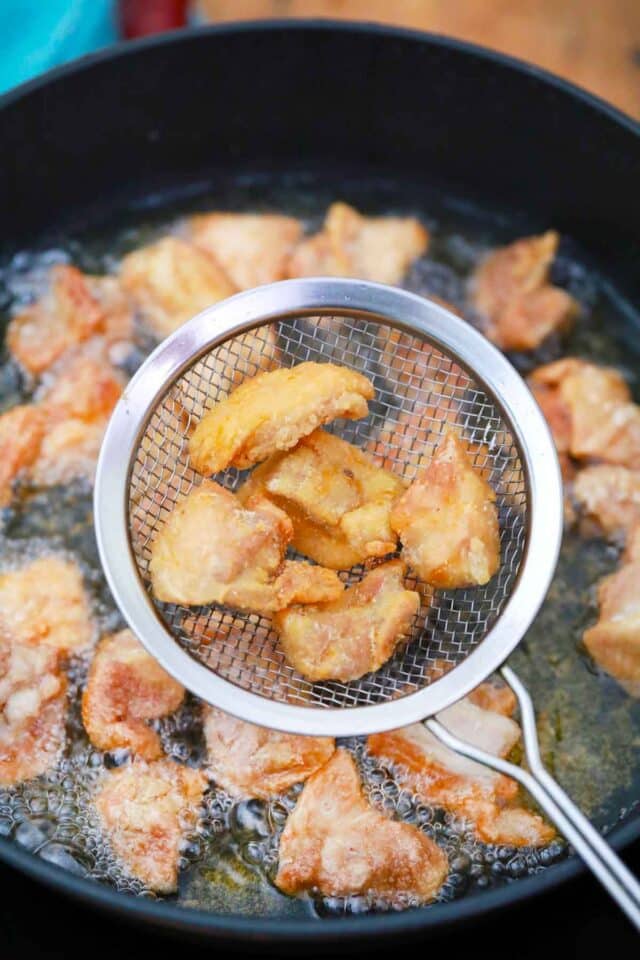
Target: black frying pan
(165, 115)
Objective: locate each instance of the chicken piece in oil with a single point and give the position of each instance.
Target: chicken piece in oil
(368, 248)
(354, 635)
(251, 761)
(448, 522)
(212, 549)
(146, 811)
(21, 432)
(609, 495)
(337, 498)
(336, 844)
(126, 688)
(273, 411)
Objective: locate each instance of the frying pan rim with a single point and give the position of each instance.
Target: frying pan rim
(188, 920)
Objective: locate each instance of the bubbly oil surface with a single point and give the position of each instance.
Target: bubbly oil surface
(589, 729)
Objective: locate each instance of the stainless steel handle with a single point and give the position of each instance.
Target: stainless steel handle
(583, 837)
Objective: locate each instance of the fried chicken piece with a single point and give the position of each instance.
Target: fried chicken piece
(352, 245)
(610, 495)
(273, 411)
(336, 497)
(448, 522)
(496, 697)
(21, 433)
(354, 635)
(510, 289)
(336, 844)
(126, 688)
(76, 308)
(253, 248)
(44, 602)
(251, 761)
(213, 550)
(171, 281)
(32, 710)
(147, 810)
(442, 778)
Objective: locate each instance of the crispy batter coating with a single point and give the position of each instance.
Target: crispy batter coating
(448, 522)
(369, 248)
(214, 550)
(273, 411)
(251, 761)
(32, 710)
(610, 495)
(496, 697)
(511, 290)
(334, 843)
(76, 308)
(442, 778)
(253, 248)
(147, 810)
(171, 281)
(126, 688)
(45, 602)
(21, 433)
(353, 635)
(337, 498)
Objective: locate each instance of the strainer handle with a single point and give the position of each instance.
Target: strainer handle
(561, 810)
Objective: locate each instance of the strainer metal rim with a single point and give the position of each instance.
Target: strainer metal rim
(377, 302)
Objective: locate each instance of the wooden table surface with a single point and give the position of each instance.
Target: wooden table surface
(594, 43)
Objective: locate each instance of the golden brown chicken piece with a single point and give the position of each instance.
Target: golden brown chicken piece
(442, 778)
(252, 248)
(251, 761)
(335, 844)
(76, 308)
(496, 697)
(171, 281)
(32, 710)
(44, 602)
(213, 550)
(511, 290)
(126, 688)
(336, 497)
(610, 495)
(21, 433)
(448, 522)
(273, 411)
(369, 248)
(351, 636)
(147, 810)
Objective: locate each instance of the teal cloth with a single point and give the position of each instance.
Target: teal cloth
(39, 34)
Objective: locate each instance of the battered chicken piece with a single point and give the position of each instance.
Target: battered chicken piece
(251, 761)
(147, 810)
(442, 778)
(448, 522)
(610, 495)
(44, 602)
(76, 308)
(354, 635)
(213, 550)
(511, 291)
(32, 710)
(21, 433)
(273, 411)
(126, 688)
(171, 281)
(369, 248)
(336, 497)
(253, 248)
(335, 844)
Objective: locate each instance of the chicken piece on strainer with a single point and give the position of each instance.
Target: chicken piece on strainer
(273, 411)
(147, 810)
(354, 635)
(337, 498)
(511, 291)
(442, 778)
(126, 688)
(368, 248)
(212, 549)
(336, 844)
(251, 761)
(32, 710)
(448, 522)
